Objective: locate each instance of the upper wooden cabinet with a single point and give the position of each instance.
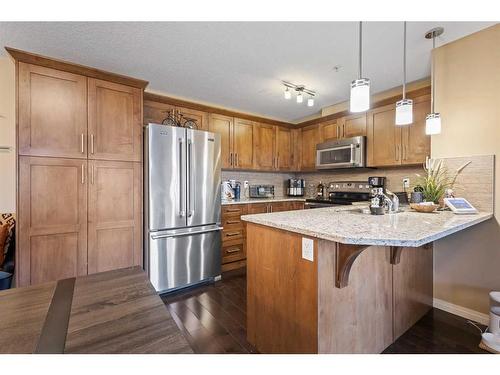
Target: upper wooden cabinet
(243, 139)
(52, 219)
(200, 118)
(284, 149)
(310, 138)
(390, 145)
(52, 112)
(265, 147)
(114, 215)
(329, 130)
(156, 112)
(115, 121)
(223, 125)
(353, 125)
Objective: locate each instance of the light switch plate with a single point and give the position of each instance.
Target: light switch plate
(307, 249)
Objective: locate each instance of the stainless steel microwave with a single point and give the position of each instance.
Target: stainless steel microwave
(341, 153)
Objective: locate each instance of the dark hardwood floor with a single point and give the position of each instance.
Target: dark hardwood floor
(213, 319)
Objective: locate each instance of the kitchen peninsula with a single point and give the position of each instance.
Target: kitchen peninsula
(336, 280)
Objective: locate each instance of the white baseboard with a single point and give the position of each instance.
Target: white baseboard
(464, 312)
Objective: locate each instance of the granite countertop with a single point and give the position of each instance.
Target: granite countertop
(342, 224)
(262, 200)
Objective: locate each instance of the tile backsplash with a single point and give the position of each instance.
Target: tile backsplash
(260, 178)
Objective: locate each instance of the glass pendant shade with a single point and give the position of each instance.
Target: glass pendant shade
(360, 95)
(288, 94)
(300, 97)
(433, 124)
(310, 102)
(404, 112)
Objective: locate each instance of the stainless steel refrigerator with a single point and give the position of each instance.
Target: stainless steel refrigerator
(182, 208)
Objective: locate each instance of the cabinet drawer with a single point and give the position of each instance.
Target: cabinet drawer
(228, 235)
(234, 209)
(233, 253)
(232, 223)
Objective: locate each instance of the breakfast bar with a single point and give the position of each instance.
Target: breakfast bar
(338, 280)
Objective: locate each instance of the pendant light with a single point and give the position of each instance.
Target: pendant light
(360, 88)
(288, 93)
(433, 119)
(404, 107)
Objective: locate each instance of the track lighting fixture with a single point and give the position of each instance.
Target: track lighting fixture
(300, 90)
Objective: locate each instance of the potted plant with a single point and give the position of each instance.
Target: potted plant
(437, 180)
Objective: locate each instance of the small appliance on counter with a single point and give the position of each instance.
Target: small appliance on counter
(261, 191)
(295, 187)
(377, 182)
(342, 193)
(227, 190)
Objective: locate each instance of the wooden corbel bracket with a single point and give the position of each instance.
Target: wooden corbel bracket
(345, 255)
(396, 254)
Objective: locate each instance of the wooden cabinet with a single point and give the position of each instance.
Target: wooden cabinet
(258, 208)
(353, 125)
(284, 149)
(233, 251)
(198, 117)
(52, 216)
(52, 112)
(310, 138)
(115, 121)
(114, 215)
(223, 125)
(265, 147)
(329, 130)
(242, 145)
(155, 112)
(390, 145)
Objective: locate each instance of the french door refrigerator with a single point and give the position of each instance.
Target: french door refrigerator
(182, 210)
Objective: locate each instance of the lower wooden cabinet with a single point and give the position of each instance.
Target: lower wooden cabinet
(114, 215)
(52, 216)
(77, 217)
(233, 249)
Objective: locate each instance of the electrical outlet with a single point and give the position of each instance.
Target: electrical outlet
(406, 183)
(308, 249)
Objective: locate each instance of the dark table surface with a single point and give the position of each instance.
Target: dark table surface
(110, 312)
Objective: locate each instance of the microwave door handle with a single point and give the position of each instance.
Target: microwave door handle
(352, 153)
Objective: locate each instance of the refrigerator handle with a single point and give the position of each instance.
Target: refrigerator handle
(182, 210)
(190, 209)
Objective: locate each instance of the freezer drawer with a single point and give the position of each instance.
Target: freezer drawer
(182, 258)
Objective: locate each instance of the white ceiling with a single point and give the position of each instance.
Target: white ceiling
(240, 65)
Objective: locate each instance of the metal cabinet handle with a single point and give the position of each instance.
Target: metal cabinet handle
(91, 143)
(83, 174)
(233, 250)
(236, 159)
(233, 221)
(338, 129)
(396, 147)
(232, 210)
(232, 234)
(92, 174)
(270, 208)
(278, 161)
(82, 146)
(231, 159)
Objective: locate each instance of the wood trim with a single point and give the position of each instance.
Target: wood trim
(205, 108)
(33, 58)
(380, 103)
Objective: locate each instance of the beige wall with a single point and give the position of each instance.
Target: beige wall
(467, 94)
(7, 135)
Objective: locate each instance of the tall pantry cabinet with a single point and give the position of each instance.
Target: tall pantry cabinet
(79, 170)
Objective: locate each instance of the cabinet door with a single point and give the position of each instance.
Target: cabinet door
(243, 140)
(296, 149)
(384, 138)
(329, 130)
(223, 125)
(416, 145)
(257, 208)
(284, 147)
(310, 138)
(52, 219)
(115, 121)
(199, 117)
(156, 112)
(52, 112)
(114, 214)
(264, 147)
(354, 125)
(280, 206)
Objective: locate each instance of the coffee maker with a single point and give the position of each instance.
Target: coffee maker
(295, 187)
(376, 183)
